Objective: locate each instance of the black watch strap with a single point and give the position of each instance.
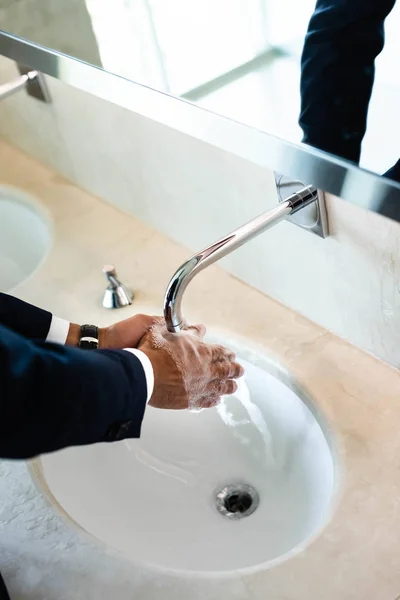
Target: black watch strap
(89, 337)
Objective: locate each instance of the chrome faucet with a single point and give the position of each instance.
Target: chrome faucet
(116, 295)
(184, 275)
(32, 81)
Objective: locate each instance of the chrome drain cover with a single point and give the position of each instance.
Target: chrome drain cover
(237, 500)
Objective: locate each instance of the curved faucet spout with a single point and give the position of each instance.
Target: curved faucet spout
(214, 252)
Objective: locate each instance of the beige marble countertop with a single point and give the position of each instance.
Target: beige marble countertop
(356, 556)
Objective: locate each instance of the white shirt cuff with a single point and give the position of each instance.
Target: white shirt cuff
(147, 367)
(58, 331)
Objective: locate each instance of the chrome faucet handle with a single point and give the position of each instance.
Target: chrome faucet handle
(116, 295)
(111, 275)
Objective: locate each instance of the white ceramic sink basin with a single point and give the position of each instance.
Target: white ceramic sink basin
(25, 237)
(154, 499)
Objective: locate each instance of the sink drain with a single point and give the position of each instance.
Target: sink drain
(237, 501)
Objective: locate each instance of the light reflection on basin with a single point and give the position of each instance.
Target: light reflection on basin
(154, 499)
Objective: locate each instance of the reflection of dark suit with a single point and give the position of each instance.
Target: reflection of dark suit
(3, 592)
(53, 396)
(343, 39)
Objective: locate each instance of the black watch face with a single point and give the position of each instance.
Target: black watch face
(90, 331)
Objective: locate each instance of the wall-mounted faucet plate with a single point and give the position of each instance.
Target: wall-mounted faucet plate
(313, 218)
(36, 87)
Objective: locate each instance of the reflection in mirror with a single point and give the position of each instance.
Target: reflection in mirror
(242, 59)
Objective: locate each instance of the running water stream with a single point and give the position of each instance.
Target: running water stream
(254, 418)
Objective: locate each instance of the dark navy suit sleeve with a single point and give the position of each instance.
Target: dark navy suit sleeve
(343, 39)
(23, 318)
(54, 396)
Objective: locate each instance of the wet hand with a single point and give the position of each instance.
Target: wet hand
(188, 373)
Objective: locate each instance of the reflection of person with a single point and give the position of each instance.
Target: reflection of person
(54, 395)
(344, 37)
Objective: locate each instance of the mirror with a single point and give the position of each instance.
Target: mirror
(241, 59)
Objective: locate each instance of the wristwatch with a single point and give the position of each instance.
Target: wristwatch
(89, 337)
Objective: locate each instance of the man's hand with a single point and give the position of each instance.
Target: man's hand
(188, 373)
(124, 334)
(127, 333)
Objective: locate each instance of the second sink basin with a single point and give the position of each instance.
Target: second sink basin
(25, 237)
(227, 489)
